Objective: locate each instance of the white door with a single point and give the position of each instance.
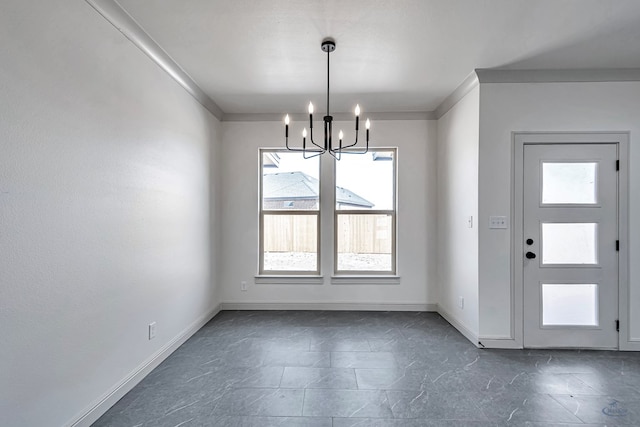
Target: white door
(570, 253)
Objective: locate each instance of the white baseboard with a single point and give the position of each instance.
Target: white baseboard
(630, 345)
(468, 334)
(124, 386)
(508, 343)
(327, 306)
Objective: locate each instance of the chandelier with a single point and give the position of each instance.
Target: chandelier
(312, 148)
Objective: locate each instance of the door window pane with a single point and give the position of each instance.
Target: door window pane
(569, 243)
(569, 183)
(290, 242)
(365, 242)
(570, 304)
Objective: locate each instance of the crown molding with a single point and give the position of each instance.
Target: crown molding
(278, 117)
(558, 76)
(129, 27)
(117, 16)
(460, 92)
(485, 75)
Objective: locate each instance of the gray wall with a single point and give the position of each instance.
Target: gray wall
(417, 289)
(108, 187)
(458, 145)
(546, 107)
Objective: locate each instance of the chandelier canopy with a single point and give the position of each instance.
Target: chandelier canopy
(313, 149)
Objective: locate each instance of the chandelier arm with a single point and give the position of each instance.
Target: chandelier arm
(317, 153)
(357, 131)
(351, 145)
(314, 143)
(335, 155)
(311, 134)
(366, 149)
(319, 146)
(303, 149)
(309, 150)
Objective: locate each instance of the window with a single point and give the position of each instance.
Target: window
(365, 213)
(364, 223)
(289, 213)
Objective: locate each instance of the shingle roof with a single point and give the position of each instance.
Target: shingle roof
(300, 186)
(348, 197)
(290, 186)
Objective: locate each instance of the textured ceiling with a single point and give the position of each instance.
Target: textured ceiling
(259, 56)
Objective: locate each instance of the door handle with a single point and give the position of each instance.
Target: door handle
(530, 255)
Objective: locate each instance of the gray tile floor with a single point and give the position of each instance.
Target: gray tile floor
(373, 369)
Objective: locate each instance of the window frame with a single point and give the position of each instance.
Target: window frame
(393, 213)
(301, 212)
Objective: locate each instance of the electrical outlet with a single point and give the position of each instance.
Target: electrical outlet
(461, 302)
(243, 286)
(152, 330)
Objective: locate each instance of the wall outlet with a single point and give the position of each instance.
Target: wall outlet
(497, 222)
(243, 286)
(152, 330)
(461, 302)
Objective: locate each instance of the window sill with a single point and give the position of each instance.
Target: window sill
(365, 280)
(287, 279)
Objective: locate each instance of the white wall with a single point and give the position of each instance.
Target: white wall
(105, 210)
(458, 133)
(544, 107)
(416, 218)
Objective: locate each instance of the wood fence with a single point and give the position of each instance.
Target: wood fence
(364, 234)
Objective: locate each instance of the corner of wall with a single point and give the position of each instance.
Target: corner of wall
(457, 200)
(93, 413)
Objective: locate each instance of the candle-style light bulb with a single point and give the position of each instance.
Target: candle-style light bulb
(286, 120)
(310, 108)
(367, 124)
(304, 132)
(340, 135)
(357, 110)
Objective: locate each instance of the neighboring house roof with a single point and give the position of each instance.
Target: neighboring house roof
(300, 186)
(271, 160)
(348, 197)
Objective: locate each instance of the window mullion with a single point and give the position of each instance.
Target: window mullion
(327, 186)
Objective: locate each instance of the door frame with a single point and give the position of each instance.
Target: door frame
(519, 140)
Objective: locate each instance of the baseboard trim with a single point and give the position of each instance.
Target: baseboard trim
(327, 306)
(506, 343)
(468, 334)
(124, 386)
(630, 345)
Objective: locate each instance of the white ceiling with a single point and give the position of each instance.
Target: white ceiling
(263, 56)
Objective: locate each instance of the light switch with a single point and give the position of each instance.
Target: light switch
(498, 222)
